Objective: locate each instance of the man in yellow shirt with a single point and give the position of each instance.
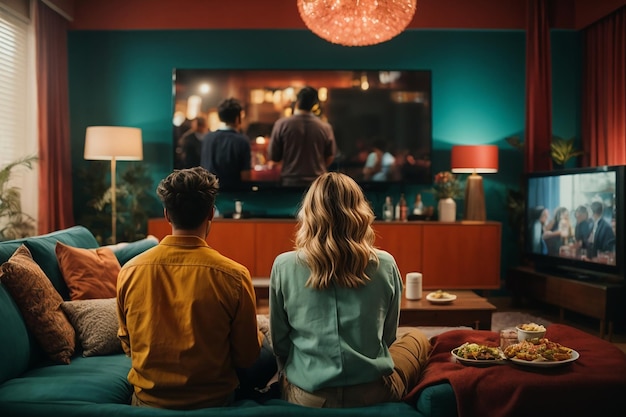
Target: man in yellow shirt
(187, 313)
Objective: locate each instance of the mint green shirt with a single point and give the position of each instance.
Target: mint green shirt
(336, 336)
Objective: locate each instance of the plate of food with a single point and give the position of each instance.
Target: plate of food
(440, 297)
(475, 354)
(542, 353)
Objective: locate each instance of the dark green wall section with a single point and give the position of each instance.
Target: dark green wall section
(478, 89)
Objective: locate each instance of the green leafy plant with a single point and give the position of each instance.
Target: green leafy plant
(14, 224)
(562, 150)
(134, 199)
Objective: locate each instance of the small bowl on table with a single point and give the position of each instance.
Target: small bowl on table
(530, 331)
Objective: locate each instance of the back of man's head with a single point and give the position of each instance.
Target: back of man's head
(188, 195)
(597, 208)
(229, 110)
(306, 98)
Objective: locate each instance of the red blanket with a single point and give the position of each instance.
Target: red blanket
(594, 385)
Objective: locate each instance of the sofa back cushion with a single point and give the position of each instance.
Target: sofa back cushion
(16, 343)
(43, 250)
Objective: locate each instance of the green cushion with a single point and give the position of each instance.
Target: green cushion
(15, 340)
(97, 379)
(437, 401)
(8, 247)
(128, 251)
(42, 248)
(273, 408)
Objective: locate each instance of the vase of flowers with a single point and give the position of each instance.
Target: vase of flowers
(446, 189)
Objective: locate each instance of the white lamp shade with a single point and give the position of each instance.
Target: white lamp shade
(106, 142)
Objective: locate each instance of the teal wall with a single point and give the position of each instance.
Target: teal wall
(478, 90)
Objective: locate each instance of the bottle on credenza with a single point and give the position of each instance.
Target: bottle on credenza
(388, 209)
(418, 207)
(401, 209)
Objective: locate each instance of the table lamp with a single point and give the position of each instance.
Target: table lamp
(113, 143)
(474, 159)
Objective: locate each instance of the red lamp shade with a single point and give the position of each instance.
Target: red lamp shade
(475, 159)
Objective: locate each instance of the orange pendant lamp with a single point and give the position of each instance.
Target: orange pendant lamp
(356, 22)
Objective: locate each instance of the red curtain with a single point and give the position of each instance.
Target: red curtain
(603, 122)
(55, 166)
(538, 89)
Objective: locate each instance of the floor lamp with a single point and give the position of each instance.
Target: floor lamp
(113, 143)
(474, 160)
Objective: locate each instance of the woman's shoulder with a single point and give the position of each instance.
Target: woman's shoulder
(385, 257)
(286, 257)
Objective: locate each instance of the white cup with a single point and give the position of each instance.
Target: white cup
(414, 286)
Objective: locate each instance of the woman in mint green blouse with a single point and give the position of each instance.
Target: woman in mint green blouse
(335, 306)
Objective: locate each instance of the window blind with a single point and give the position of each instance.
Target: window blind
(13, 86)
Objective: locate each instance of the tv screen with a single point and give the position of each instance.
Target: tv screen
(364, 108)
(575, 220)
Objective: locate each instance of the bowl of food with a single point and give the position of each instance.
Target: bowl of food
(530, 331)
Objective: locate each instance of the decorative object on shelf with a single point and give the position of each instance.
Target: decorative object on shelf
(15, 223)
(114, 143)
(356, 22)
(388, 209)
(474, 159)
(447, 209)
(446, 189)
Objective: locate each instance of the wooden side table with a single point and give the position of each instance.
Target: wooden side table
(469, 309)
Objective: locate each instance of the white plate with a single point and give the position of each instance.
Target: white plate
(546, 364)
(477, 362)
(430, 297)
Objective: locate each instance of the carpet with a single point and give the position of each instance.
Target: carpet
(510, 319)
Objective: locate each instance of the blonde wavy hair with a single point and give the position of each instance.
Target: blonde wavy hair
(335, 232)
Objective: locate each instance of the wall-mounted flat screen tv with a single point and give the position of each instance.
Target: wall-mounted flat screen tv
(364, 108)
(575, 220)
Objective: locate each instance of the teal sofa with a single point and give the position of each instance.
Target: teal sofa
(32, 386)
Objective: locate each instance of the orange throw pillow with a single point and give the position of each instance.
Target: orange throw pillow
(40, 305)
(88, 273)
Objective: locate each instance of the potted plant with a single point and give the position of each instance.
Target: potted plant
(562, 150)
(14, 224)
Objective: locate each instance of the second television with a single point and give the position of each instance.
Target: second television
(575, 220)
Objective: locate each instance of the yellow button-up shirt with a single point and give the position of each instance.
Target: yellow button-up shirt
(187, 320)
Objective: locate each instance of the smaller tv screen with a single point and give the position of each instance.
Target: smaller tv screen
(572, 218)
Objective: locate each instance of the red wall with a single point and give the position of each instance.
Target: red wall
(283, 14)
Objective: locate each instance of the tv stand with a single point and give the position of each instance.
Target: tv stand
(601, 297)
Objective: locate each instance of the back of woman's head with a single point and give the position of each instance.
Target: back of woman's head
(188, 195)
(335, 232)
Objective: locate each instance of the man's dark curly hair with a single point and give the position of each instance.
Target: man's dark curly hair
(188, 195)
(229, 110)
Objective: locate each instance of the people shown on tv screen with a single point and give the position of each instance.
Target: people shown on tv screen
(539, 218)
(302, 143)
(602, 238)
(379, 163)
(583, 227)
(555, 229)
(226, 151)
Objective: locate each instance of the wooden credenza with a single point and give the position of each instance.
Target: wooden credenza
(602, 299)
(460, 255)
